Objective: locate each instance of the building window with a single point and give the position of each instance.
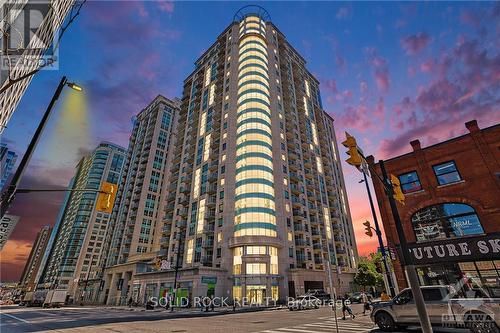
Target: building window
(449, 220)
(410, 182)
(447, 173)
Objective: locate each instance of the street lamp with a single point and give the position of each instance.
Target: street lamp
(9, 194)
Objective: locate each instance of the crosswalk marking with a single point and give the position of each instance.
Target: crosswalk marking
(323, 327)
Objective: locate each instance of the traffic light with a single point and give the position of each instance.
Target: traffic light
(106, 198)
(397, 193)
(351, 144)
(378, 267)
(368, 229)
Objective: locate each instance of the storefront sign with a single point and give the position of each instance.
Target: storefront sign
(209, 279)
(459, 249)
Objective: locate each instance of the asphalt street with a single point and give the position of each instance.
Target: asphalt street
(100, 319)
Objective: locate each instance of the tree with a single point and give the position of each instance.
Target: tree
(367, 275)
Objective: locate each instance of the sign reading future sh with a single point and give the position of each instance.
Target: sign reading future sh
(485, 247)
(7, 225)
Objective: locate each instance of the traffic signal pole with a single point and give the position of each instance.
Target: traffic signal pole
(379, 237)
(406, 260)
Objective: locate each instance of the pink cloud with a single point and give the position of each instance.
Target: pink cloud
(428, 66)
(414, 44)
(382, 79)
(380, 69)
(379, 110)
(330, 85)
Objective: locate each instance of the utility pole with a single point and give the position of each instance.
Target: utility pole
(379, 236)
(406, 260)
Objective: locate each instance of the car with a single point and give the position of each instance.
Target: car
(356, 297)
(304, 302)
(445, 306)
(320, 294)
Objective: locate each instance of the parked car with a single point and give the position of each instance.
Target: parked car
(445, 307)
(320, 294)
(304, 302)
(356, 297)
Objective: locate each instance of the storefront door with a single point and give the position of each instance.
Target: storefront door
(256, 294)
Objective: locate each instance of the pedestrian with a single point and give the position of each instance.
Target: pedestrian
(206, 302)
(130, 302)
(167, 301)
(212, 303)
(346, 308)
(366, 302)
(384, 297)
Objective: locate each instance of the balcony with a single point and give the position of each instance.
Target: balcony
(300, 242)
(210, 214)
(181, 224)
(208, 243)
(212, 200)
(340, 250)
(209, 228)
(298, 227)
(207, 260)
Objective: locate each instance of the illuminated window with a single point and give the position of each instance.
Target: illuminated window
(211, 96)
(274, 293)
(308, 91)
(197, 183)
(189, 254)
(237, 293)
(256, 249)
(256, 269)
(208, 75)
(273, 252)
(238, 252)
(326, 216)
(201, 217)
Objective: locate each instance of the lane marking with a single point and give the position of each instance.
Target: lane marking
(285, 329)
(16, 318)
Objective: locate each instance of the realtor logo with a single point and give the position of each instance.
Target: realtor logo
(29, 35)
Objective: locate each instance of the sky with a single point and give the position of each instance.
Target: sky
(389, 72)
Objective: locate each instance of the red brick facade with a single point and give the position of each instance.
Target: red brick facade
(477, 158)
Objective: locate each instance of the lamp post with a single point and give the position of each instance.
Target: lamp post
(9, 194)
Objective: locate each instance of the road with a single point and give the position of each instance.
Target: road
(95, 319)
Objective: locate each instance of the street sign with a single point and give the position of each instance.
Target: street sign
(458, 249)
(7, 225)
(209, 279)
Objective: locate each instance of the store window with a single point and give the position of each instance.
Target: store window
(449, 220)
(410, 182)
(447, 173)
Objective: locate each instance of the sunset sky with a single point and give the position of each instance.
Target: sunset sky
(389, 72)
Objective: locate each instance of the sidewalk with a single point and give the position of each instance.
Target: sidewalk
(192, 312)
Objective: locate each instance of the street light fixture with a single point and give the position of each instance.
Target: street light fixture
(74, 86)
(9, 194)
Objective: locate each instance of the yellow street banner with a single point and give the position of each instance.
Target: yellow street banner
(106, 197)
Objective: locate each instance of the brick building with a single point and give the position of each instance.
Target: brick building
(451, 216)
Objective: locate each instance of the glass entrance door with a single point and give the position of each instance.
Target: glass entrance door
(256, 294)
